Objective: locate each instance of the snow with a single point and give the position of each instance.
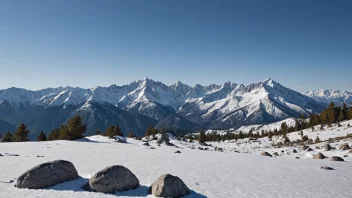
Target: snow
(327, 95)
(206, 173)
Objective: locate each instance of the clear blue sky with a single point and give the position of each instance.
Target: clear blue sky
(301, 44)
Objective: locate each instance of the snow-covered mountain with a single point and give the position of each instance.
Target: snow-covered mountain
(327, 95)
(214, 106)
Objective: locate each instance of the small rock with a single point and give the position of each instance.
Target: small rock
(113, 178)
(266, 154)
(326, 168)
(276, 154)
(336, 158)
(327, 147)
(350, 151)
(146, 144)
(120, 141)
(319, 156)
(309, 149)
(297, 157)
(344, 147)
(152, 148)
(47, 174)
(303, 147)
(294, 151)
(178, 152)
(168, 186)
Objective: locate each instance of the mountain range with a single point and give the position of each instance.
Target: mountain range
(140, 104)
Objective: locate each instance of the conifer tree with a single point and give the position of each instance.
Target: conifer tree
(201, 137)
(41, 137)
(110, 131)
(270, 135)
(317, 140)
(8, 137)
(131, 135)
(0, 135)
(21, 134)
(118, 131)
(151, 131)
(98, 132)
(54, 135)
(74, 129)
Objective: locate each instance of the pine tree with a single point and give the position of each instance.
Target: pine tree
(21, 134)
(151, 131)
(317, 140)
(98, 132)
(8, 137)
(201, 137)
(110, 131)
(270, 135)
(41, 137)
(74, 129)
(341, 116)
(0, 135)
(54, 135)
(131, 135)
(118, 131)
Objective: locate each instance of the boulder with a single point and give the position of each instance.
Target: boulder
(113, 178)
(319, 156)
(344, 147)
(165, 139)
(294, 151)
(152, 147)
(265, 154)
(336, 158)
(276, 154)
(168, 186)
(297, 157)
(146, 144)
(121, 141)
(47, 174)
(303, 147)
(326, 168)
(178, 152)
(309, 149)
(327, 147)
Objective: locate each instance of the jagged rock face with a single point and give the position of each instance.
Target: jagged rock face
(326, 96)
(47, 174)
(176, 106)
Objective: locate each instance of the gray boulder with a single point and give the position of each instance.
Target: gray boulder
(327, 147)
(294, 151)
(326, 168)
(121, 141)
(47, 174)
(146, 144)
(168, 186)
(309, 149)
(165, 139)
(276, 154)
(344, 147)
(303, 147)
(319, 156)
(113, 178)
(265, 154)
(337, 159)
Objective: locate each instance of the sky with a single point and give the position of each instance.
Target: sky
(302, 44)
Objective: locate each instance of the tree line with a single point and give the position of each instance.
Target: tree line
(332, 114)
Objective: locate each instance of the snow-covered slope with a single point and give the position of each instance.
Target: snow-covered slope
(238, 171)
(327, 95)
(213, 106)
